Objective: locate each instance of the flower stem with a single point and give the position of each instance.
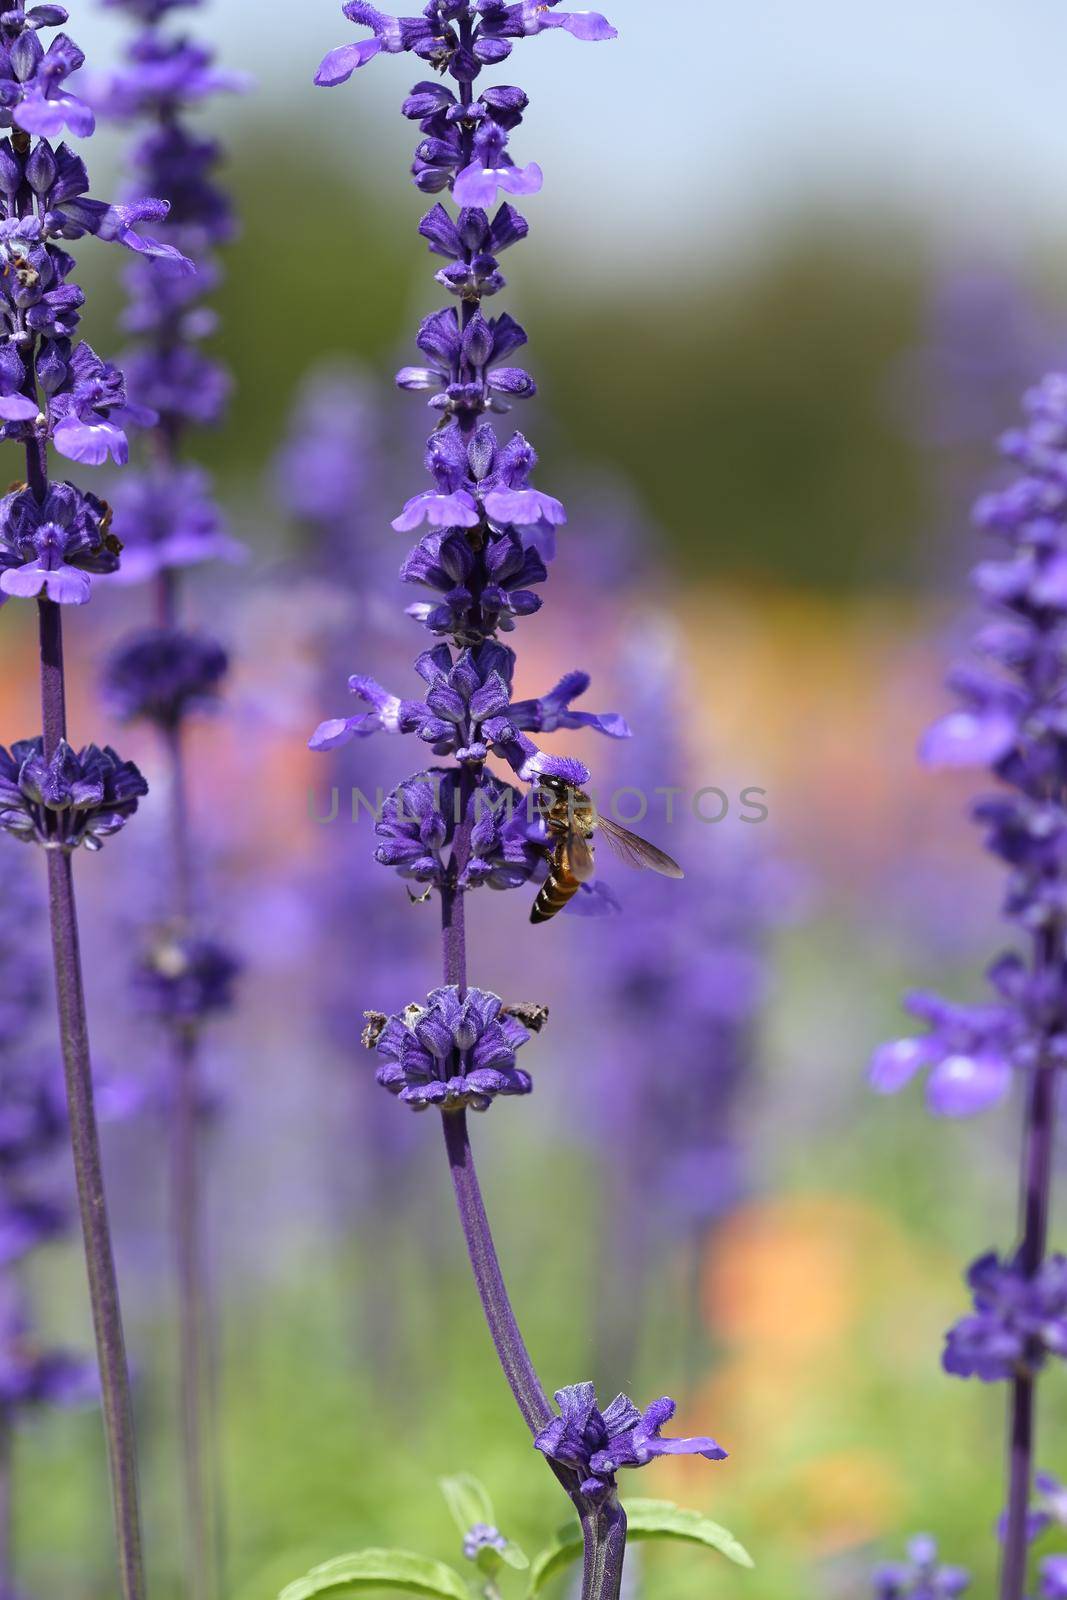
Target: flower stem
(194, 1361)
(85, 1146)
(603, 1526)
(510, 1346)
(604, 1537)
(188, 1255)
(1036, 1195)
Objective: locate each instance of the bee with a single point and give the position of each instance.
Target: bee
(571, 820)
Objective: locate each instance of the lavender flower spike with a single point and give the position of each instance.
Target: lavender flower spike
(1011, 722)
(169, 520)
(57, 394)
(486, 534)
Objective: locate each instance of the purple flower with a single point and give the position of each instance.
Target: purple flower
(163, 675)
(50, 548)
(33, 1112)
(921, 1577)
(1018, 1320)
(1048, 1508)
(1053, 1571)
(968, 1054)
(418, 825)
(481, 1536)
(436, 36)
(167, 519)
(26, 1223)
(478, 596)
(468, 710)
(80, 412)
(161, 79)
(32, 78)
(31, 1376)
(163, 75)
(596, 1444)
(185, 977)
(70, 800)
(468, 373)
(452, 1052)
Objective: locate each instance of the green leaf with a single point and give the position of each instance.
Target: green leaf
(380, 1569)
(514, 1556)
(646, 1519)
(468, 1500)
(662, 1519)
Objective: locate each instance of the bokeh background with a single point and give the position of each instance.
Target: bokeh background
(791, 271)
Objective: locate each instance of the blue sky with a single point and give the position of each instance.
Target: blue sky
(706, 121)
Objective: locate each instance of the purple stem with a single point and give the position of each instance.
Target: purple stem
(510, 1347)
(193, 1351)
(1038, 1147)
(85, 1144)
(603, 1526)
(188, 1255)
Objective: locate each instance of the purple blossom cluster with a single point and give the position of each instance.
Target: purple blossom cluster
(596, 1443)
(1010, 721)
(166, 515)
(54, 389)
(491, 531)
(419, 821)
(921, 1577)
(184, 977)
(70, 799)
(455, 1051)
(1019, 1320)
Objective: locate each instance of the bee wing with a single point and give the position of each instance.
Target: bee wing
(637, 852)
(576, 857)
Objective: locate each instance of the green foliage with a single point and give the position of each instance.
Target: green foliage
(468, 1500)
(646, 1519)
(380, 1569)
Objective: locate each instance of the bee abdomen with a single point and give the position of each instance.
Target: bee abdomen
(556, 892)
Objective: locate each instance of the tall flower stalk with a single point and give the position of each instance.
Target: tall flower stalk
(1011, 721)
(453, 828)
(168, 520)
(57, 395)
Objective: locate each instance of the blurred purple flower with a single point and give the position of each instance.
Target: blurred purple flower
(921, 1577)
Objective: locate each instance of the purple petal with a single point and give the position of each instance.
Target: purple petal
(893, 1065)
(91, 442)
(339, 65)
(521, 180)
(962, 1086)
(587, 25)
(330, 735)
(969, 739)
(17, 408)
(65, 585)
(48, 117)
(475, 186)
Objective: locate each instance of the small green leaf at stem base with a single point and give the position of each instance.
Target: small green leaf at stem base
(468, 1500)
(380, 1569)
(646, 1519)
